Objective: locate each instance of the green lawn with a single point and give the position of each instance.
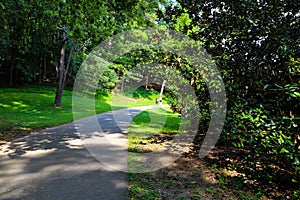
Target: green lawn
(149, 123)
(145, 130)
(31, 107)
(150, 131)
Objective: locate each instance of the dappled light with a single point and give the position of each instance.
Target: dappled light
(196, 99)
(54, 167)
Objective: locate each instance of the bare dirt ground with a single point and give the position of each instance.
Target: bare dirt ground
(226, 173)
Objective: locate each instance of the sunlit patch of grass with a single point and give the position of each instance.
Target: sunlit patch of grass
(31, 107)
(140, 97)
(140, 140)
(151, 122)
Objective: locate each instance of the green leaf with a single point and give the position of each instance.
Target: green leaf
(297, 161)
(283, 150)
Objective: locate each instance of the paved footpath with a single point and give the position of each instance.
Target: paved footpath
(53, 164)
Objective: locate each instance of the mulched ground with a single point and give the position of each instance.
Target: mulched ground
(9, 136)
(226, 173)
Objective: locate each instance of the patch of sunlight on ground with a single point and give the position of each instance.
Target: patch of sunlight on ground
(4, 105)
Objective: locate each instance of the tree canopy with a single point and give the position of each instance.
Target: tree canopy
(254, 43)
(43, 41)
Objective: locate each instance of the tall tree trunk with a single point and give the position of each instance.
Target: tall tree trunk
(56, 67)
(45, 68)
(122, 85)
(147, 82)
(56, 60)
(68, 63)
(61, 68)
(161, 91)
(12, 65)
(16, 76)
(40, 70)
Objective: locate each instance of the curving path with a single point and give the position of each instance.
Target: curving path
(55, 164)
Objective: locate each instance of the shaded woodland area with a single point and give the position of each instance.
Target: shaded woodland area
(254, 43)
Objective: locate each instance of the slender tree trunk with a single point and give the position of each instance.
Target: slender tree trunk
(40, 70)
(161, 91)
(68, 63)
(16, 76)
(56, 68)
(147, 82)
(162, 88)
(61, 68)
(122, 85)
(45, 68)
(56, 60)
(12, 66)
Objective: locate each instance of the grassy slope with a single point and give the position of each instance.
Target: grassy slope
(31, 107)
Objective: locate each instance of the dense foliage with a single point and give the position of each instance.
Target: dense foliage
(255, 44)
(46, 41)
(256, 47)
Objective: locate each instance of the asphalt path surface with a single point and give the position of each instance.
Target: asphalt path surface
(58, 164)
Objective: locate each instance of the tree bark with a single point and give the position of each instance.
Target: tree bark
(162, 88)
(147, 82)
(122, 85)
(45, 68)
(12, 66)
(61, 68)
(161, 91)
(56, 60)
(68, 63)
(40, 70)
